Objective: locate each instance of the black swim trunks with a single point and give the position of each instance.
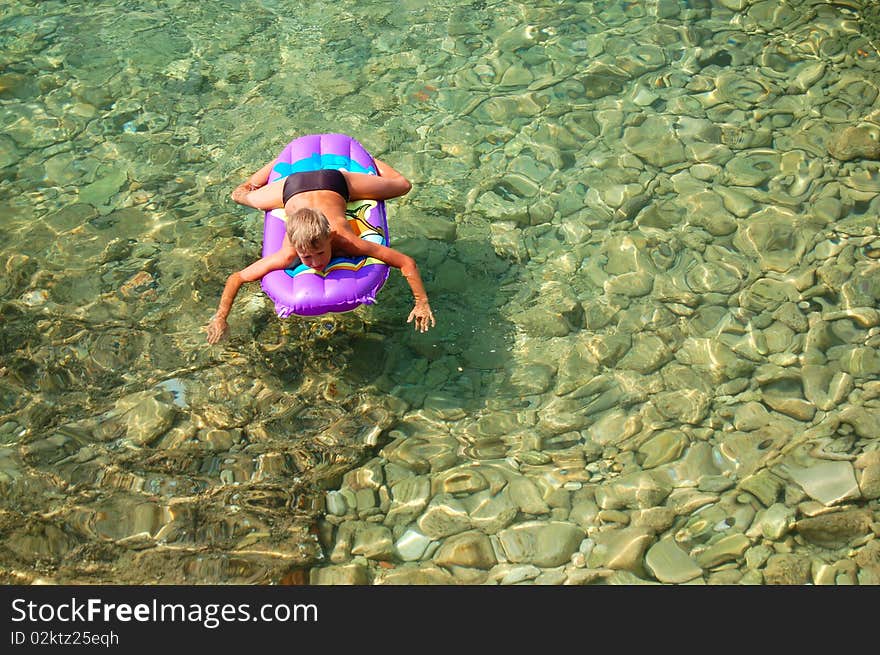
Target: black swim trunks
(325, 179)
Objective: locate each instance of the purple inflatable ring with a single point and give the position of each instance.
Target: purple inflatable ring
(347, 282)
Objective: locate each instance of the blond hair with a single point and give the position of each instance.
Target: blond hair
(306, 228)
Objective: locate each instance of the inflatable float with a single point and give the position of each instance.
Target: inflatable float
(347, 282)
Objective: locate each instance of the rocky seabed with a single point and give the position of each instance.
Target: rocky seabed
(696, 348)
(675, 380)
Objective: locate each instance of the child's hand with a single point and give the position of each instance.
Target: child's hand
(217, 329)
(423, 315)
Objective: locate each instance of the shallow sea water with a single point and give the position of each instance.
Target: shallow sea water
(649, 235)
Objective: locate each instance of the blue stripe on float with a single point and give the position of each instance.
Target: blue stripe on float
(318, 161)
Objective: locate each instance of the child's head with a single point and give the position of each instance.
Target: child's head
(309, 233)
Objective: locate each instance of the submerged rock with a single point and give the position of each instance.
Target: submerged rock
(543, 544)
(141, 418)
(469, 549)
(342, 574)
(835, 529)
(621, 549)
(856, 142)
(787, 569)
(667, 562)
(827, 482)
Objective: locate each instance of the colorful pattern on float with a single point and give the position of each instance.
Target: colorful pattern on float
(347, 282)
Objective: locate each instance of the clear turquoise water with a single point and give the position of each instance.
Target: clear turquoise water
(584, 270)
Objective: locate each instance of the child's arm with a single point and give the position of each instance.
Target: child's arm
(218, 327)
(421, 313)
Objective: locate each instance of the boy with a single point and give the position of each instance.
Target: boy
(314, 202)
